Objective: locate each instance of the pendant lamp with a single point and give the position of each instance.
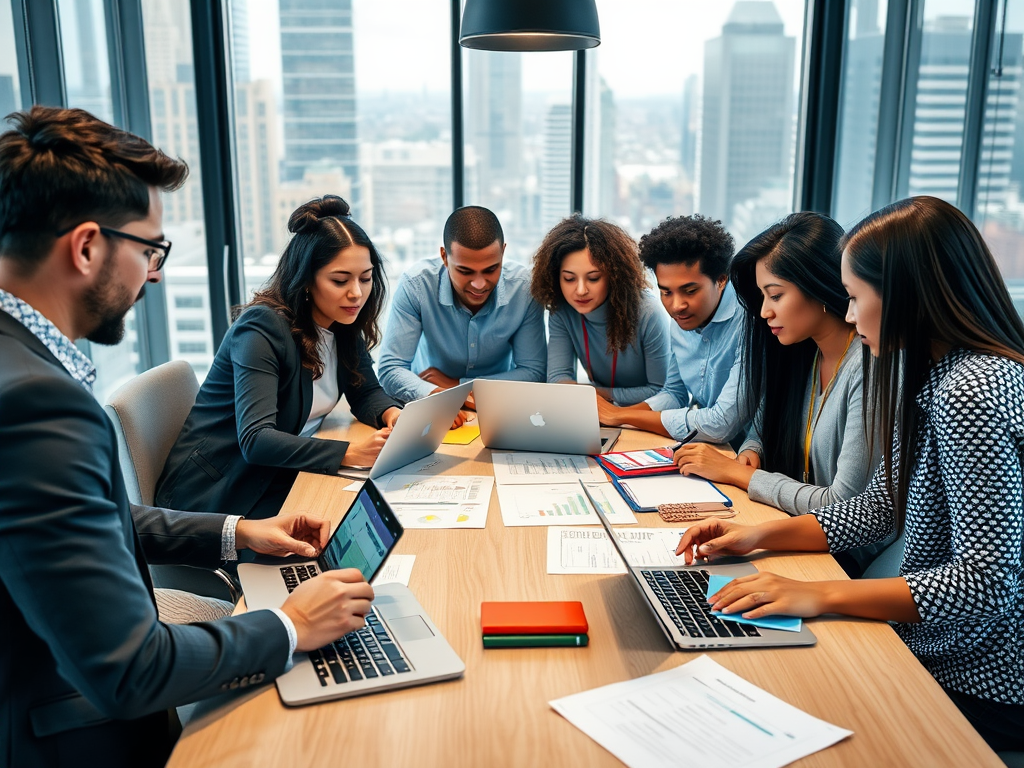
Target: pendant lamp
(530, 25)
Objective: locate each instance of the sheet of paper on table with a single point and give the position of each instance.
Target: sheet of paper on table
(561, 504)
(441, 501)
(698, 715)
(587, 550)
(397, 570)
(533, 468)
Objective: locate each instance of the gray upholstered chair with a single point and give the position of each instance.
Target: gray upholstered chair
(887, 564)
(148, 413)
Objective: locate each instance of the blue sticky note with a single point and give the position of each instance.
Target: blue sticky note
(786, 623)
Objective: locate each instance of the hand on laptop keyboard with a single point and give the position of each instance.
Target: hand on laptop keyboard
(328, 606)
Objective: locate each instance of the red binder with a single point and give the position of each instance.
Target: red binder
(533, 618)
(612, 469)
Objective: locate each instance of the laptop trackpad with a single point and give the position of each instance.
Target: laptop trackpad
(410, 628)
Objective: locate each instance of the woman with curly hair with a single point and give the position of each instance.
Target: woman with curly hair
(588, 275)
(297, 348)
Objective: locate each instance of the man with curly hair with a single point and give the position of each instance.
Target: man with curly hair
(690, 258)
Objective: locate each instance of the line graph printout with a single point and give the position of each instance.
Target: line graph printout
(532, 468)
(587, 550)
(561, 504)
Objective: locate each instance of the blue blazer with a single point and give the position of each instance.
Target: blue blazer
(239, 450)
(87, 672)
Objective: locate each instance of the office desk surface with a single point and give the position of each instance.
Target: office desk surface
(859, 676)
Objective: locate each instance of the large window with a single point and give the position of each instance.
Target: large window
(705, 120)
(10, 88)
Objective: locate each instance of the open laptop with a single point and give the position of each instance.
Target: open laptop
(417, 433)
(398, 647)
(677, 596)
(532, 416)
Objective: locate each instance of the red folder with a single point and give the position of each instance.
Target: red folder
(611, 469)
(533, 618)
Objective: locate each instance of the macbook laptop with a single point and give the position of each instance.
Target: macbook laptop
(532, 416)
(398, 647)
(417, 433)
(677, 596)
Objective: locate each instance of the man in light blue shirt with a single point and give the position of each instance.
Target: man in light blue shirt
(464, 316)
(690, 257)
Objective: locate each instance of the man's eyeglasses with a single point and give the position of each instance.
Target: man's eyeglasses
(157, 253)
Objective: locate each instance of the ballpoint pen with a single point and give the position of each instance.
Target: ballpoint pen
(687, 438)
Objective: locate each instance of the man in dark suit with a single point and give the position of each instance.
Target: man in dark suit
(87, 671)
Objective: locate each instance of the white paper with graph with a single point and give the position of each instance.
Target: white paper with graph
(587, 550)
(442, 501)
(561, 504)
(521, 468)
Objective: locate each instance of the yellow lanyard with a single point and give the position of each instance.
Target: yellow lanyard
(811, 421)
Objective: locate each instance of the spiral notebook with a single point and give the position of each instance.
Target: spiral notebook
(644, 494)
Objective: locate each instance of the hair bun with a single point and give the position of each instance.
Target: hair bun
(309, 214)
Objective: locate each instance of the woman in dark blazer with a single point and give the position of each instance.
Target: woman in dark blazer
(298, 347)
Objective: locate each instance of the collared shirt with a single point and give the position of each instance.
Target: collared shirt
(704, 370)
(71, 357)
(430, 328)
(84, 372)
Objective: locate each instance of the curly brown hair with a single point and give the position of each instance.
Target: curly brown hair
(614, 252)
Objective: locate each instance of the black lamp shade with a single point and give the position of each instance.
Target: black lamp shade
(530, 25)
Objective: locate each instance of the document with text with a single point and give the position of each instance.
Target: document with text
(442, 501)
(397, 570)
(532, 468)
(561, 504)
(587, 550)
(698, 715)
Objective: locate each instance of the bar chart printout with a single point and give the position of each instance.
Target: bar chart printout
(560, 504)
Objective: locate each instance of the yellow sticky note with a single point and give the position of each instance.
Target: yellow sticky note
(464, 435)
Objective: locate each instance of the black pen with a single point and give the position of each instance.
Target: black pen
(692, 434)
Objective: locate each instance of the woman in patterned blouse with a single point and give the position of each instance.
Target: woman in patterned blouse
(928, 300)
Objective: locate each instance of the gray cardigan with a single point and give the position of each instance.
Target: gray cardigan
(641, 368)
(840, 463)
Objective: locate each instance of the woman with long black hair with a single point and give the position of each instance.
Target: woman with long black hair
(299, 345)
(928, 301)
(803, 375)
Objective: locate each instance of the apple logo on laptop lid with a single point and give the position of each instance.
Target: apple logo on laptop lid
(426, 429)
(537, 420)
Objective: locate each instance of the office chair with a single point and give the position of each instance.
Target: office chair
(148, 413)
(887, 564)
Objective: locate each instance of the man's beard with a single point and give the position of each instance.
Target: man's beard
(109, 305)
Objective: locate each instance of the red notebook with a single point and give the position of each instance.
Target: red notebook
(622, 465)
(533, 618)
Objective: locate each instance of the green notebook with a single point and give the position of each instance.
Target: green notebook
(535, 641)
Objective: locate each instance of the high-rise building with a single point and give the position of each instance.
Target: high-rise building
(256, 150)
(556, 164)
(8, 102)
(318, 70)
(88, 75)
(599, 177)
(939, 114)
(494, 124)
(748, 109)
(240, 41)
(691, 126)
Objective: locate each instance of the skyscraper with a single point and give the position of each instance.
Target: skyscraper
(748, 109)
(691, 126)
(494, 124)
(8, 103)
(318, 69)
(599, 178)
(556, 164)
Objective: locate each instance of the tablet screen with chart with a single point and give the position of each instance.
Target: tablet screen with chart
(363, 539)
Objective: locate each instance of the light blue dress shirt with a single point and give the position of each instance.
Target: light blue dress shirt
(704, 370)
(430, 328)
(640, 369)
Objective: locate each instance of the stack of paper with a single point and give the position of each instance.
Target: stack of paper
(441, 501)
(583, 550)
(544, 489)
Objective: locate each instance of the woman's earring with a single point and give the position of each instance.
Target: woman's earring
(824, 308)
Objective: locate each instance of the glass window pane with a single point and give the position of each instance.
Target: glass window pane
(941, 98)
(10, 90)
(518, 138)
(83, 33)
(858, 118)
(705, 120)
(352, 98)
(167, 26)
(1000, 210)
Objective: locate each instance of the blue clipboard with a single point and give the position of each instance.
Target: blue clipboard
(635, 506)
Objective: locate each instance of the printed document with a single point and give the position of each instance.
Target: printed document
(561, 504)
(587, 550)
(396, 570)
(532, 468)
(441, 501)
(698, 715)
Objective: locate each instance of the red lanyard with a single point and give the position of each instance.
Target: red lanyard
(586, 348)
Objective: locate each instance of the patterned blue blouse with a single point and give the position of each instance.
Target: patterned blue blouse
(964, 526)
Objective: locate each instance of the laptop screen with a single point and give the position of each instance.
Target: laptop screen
(362, 540)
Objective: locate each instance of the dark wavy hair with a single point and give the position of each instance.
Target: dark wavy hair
(689, 240)
(321, 228)
(62, 167)
(802, 249)
(613, 252)
(938, 283)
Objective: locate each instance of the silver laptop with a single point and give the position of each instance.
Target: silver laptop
(417, 433)
(531, 416)
(398, 647)
(677, 596)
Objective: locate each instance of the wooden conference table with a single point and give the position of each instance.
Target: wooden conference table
(859, 676)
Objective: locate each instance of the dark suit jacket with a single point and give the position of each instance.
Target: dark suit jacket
(87, 672)
(239, 450)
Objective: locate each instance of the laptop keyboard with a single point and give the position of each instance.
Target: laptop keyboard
(361, 655)
(683, 595)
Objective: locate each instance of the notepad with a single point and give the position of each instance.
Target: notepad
(644, 494)
(785, 623)
(463, 435)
